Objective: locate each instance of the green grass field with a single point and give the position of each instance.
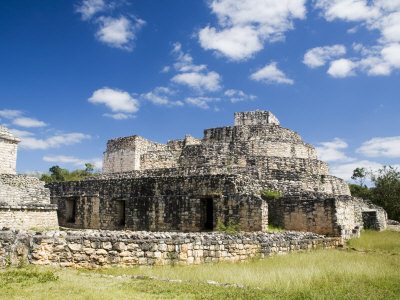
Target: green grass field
(368, 269)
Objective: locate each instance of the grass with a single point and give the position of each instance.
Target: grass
(368, 269)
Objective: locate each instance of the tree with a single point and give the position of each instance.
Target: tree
(58, 174)
(386, 189)
(360, 175)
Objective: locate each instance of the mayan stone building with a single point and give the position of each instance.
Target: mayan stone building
(24, 201)
(189, 184)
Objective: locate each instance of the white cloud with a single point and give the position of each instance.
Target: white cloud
(247, 25)
(349, 10)
(380, 15)
(119, 116)
(118, 101)
(238, 95)
(318, 56)
(21, 133)
(209, 81)
(118, 32)
(345, 171)
(342, 68)
(159, 96)
(88, 8)
(10, 113)
(381, 147)
(184, 61)
(56, 141)
(165, 69)
(62, 159)
(330, 151)
(28, 122)
(271, 74)
(201, 102)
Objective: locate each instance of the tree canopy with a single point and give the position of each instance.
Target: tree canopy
(386, 189)
(58, 174)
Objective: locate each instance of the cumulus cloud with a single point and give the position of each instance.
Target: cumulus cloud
(209, 81)
(120, 102)
(381, 147)
(244, 26)
(271, 74)
(118, 32)
(345, 171)
(201, 102)
(55, 141)
(381, 15)
(191, 75)
(238, 95)
(10, 113)
(341, 68)
(119, 116)
(159, 96)
(62, 159)
(331, 151)
(28, 122)
(88, 8)
(318, 56)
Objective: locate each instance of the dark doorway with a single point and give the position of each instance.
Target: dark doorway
(369, 220)
(207, 214)
(121, 212)
(70, 210)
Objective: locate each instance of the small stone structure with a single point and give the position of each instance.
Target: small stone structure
(92, 249)
(24, 201)
(189, 184)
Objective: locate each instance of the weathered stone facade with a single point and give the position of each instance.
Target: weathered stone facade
(190, 184)
(24, 201)
(93, 249)
(8, 151)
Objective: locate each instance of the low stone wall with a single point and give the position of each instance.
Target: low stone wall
(93, 249)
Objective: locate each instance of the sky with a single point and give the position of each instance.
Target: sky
(74, 74)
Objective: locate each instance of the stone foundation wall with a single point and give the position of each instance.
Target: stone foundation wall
(93, 249)
(29, 216)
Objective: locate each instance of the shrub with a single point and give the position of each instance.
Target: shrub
(230, 228)
(272, 194)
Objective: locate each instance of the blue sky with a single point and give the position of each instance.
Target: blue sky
(74, 74)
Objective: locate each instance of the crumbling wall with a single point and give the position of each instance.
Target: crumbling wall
(94, 249)
(255, 118)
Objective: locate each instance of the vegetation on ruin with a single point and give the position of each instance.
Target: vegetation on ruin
(230, 227)
(58, 174)
(367, 269)
(271, 194)
(386, 189)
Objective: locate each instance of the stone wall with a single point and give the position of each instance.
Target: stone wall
(192, 203)
(255, 118)
(21, 189)
(93, 249)
(8, 151)
(325, 214)
(29, 216)
(123, 154)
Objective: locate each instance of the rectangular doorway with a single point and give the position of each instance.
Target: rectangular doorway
(207, 214)
(70, 210)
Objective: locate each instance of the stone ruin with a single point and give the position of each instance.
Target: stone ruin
(24, 201)
(192, 184)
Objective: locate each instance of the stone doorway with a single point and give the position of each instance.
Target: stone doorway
(370, 220)
(207, 214)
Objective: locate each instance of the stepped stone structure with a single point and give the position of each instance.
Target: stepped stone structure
(190, 184)
(24, 201)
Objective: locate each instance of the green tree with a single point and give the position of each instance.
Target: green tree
(386, 189)
(58, 174)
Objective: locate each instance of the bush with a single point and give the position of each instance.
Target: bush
(230, 228)
(272, 194)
